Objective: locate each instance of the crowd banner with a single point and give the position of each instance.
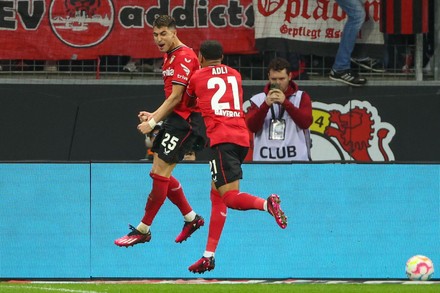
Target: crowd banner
(313, 27)
(77, 30)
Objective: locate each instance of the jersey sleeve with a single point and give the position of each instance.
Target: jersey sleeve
(184, 66)
(190, 94)
(190, 90)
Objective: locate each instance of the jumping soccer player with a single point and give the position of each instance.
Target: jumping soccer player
(178, 135)
(219, 93)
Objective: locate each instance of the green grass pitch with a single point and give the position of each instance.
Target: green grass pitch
(91, 287)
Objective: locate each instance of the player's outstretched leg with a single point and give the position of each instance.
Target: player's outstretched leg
(133, 238)
(189, 228)
(274, 208)
(202, 265)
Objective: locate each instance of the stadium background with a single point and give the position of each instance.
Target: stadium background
(98, 122)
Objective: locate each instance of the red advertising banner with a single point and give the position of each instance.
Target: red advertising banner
(81, 29)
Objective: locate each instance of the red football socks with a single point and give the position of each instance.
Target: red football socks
(156, 198)
(237, 200)
(177, 197)
(217, 220)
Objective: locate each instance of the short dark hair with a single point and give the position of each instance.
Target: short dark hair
(164, 21)
(211, 50)
(279, 64)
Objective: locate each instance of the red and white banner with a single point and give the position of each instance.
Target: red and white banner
(87, 29)
(309, 26)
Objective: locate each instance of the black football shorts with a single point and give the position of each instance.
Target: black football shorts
(225, 163)
(178, 137)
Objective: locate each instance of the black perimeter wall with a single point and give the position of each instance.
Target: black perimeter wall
(40, 122)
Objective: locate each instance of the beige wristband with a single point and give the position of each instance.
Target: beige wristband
(152, 123)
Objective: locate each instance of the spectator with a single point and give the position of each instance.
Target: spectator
(401, 41)
(219, 93)
(341, 69)
(280, 117)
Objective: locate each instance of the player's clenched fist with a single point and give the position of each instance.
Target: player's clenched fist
(144, 116)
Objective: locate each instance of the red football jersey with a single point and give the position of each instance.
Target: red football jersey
(219, 94)
(178, 66)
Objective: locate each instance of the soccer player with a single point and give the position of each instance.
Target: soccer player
(178, 135)
(219, 93)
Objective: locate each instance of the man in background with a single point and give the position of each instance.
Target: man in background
(280, 117)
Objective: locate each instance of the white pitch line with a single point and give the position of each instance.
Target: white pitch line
(19, 287)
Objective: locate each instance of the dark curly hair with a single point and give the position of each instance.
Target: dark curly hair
(211, 50)
(278, 64)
